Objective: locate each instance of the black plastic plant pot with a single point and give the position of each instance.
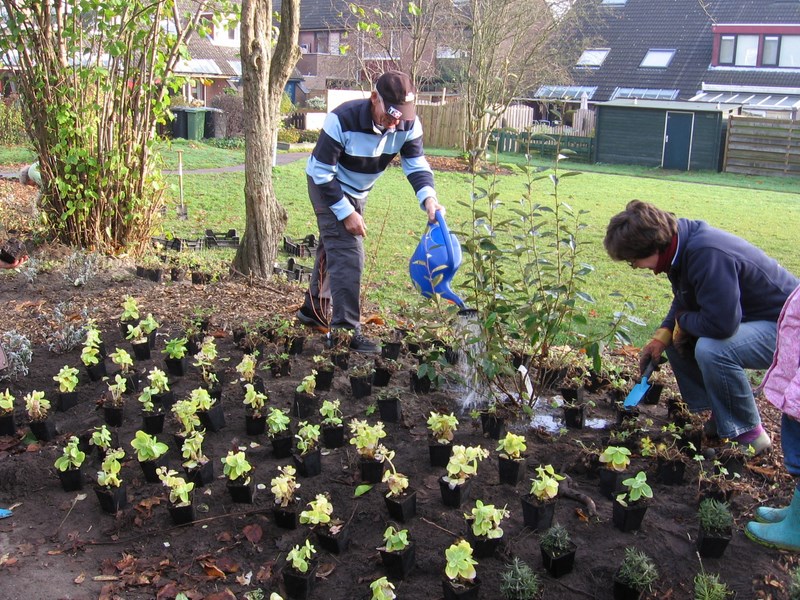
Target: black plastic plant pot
(44, 431)
(611, 482)
(97, 372)
(200, 278)
(299, 585)
(361, 386)
(149, 468)
(153, 423)
(215, 391)
(670, 472)
(391, 350)
(440, 453)
(141, 351)
(255, 425)
(308, 465)
(389, 409)
(166, 400)
(382, 377)
(653, 394)
(295, 345)
(492, 425)
(628, 518)
(71, 480)
(461, 591)
(455, 497)
(572, 395)
(132, 381)
(420, 385)
(304, 405)
(402, 508)
(511, 471)
(482, 547)
(112, 500)
(558, 564)
(113, 416)
(341, 359)
(182, 514)
(627, 414)
(214, 418)
(240, 492)
(280, 368)
(712, 544)
(623, 591)
(333, 436)
(325, 379)
(66, 400)
(575, 417)
(176, 366)
(335, 544)
(537, 515)
(123, 327)
(8, 424)
(282, 446)
(201, 475)
(177, 274)
(371, 470)
(285, 517)
(691, 442)
(399, 564)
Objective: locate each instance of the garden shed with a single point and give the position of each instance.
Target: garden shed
(672, 135)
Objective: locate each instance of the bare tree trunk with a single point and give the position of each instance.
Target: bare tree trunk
(265, 70)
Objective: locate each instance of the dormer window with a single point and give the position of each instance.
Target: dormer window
(592, 57)
(755, 47)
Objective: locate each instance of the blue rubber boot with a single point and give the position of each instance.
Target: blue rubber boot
(768, 514)
(785, 534)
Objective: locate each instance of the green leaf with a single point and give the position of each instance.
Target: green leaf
(362, 489)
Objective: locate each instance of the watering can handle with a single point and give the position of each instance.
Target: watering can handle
(448, 241)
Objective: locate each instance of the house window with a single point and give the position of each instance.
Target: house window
(746, 50)
(657, 59)
(769, 57)
(232, 33)
(592, 57)
(617, 2)
(790, 51)
(321, 41)
(727, 45)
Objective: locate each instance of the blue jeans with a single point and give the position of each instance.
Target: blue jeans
(715, 377)
(790, 442)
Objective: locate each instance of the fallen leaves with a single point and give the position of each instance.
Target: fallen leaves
(253, 533)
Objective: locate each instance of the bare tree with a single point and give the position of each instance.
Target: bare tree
(267, 63)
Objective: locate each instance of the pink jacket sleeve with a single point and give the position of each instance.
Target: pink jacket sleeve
(781, 384)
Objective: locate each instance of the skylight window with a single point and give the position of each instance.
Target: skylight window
(593, 57)
(617, 2)
(657, 59)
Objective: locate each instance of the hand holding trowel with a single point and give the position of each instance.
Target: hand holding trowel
(640, 390)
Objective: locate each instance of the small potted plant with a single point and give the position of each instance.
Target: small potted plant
(382, 589)
(295, 339)
(8, 425)
(339, 343)
(511, 462)
(361, 379)
(255, 419)
(308, 461)
(366, 438)
(636, 573)
(101, 439)
(209, 409)
(240, 484)
(442, 429)
(130, 314)
(401, 502)
(185, 413)
(707, 586)
(150, 327)
(161, 394)
(332, 426)
(38, 409)
(332, 535)
(492, 421)
(483, 528)
(616, 460)
(284, 488)
(94, 363)
(110, 490)
(150, 453)
(671, 462)
(716, 528)
(398, 553)
(558, 551)
(124, 361)
(325, 371)
(630, 506)
(69, 466)
(463, 464)
(114, 401)
(177, 356)
(181, 506)
(279, 432)
(304, 398)
(538, 507)
(140, 345)
(67, 379)
(152, 416)
(205, 360)
(384, 369)
(389, 406)
(247, 371)
(199, 469)
(93, 338)
(300, 572)
(519, 582)
(280, 364)
(461, 581)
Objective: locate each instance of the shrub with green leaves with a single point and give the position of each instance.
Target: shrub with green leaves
(714, 516)
(519, 582)
(72, 456)
(637, 569)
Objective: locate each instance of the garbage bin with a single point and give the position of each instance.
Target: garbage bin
(195, 123)
(214, 123)
(179, 125)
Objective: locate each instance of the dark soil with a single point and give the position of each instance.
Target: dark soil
(60, 545)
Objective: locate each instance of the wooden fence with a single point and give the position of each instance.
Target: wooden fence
(758, 146)
(442, 124)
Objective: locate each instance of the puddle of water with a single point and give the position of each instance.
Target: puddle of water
(549, 416)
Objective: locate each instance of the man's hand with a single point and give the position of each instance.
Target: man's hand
(653, 350)
(431, 206)
(354, 223)
(15, 264)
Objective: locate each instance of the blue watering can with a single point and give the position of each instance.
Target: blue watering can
(436, 259)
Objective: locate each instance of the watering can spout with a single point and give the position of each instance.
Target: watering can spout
(435, 262)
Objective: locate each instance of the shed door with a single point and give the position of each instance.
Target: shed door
(678, 140)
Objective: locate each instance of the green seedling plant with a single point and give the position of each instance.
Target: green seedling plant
(180, 491)
(519, 582)
(72, 456)
(122, 359)
(463, 464)
(460, 567)
(382, 589)
(92, 338)
(185, 412)
(149, 324)
(395, 540)
(158, 382)
(714, 516)
(442, 427)
(114, 398)
(247, 367)
(545, 487)
(512, 446)
(90, 356)
(366, 438)
(130, 309)
(6, 402)
(707, 586)
(395, 481)
(307, 437)
(308, 384)
(192, 450)
(101, 437)
(202, 399)
(616, 458)
(300, 556)
(277, 422)
(556, 540)
(108, 475)
(37, 406)
(136, 334)
(331, 414)
(67, 379)
(284, 486)
(148, 447)
(176, 348)
(205, 360)
(637, 569)
(319, 511)
(236, 467)
(254, 400)
(486, 520)
(637, 489)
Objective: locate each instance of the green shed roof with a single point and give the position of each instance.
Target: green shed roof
(672, 105)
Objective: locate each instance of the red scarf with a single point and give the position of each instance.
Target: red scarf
(665, 257)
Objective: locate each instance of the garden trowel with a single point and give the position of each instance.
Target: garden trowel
(640, 390)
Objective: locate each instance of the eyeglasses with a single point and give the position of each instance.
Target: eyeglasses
(391, 113)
